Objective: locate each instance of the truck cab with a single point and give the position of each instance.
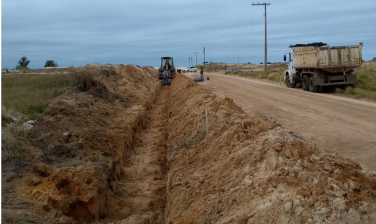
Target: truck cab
(289, 74)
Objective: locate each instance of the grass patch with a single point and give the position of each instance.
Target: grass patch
(213, 67)
(365, 86)
(10, 146)
(366, 78)
(274, 73)
(30, 94)
(10, 131)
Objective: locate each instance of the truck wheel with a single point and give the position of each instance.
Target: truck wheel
(311, 85)
(305, 83)
(288, 83)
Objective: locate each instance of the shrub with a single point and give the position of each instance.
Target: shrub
(87, 80)
(50, 63)
(9, 145)
(10, 129)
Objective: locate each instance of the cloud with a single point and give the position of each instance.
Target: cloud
(140, 32)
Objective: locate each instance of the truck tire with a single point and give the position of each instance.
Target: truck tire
(311, 85)
(288, 83)
(305, 83)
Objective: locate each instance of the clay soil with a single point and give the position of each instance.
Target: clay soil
(132, 151)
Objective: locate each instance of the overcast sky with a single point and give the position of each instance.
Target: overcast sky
(78, 32)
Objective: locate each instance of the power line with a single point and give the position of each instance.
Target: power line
(266, 48)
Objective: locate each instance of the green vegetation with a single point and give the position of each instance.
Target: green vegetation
(29, 94)
(10, 132)
(274, 73)
(87, 81)
(23, 63)
(365, 86)
(24, 97)
(50, 63)
(10, 146)
(212, 67)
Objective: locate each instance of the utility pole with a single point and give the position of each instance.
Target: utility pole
(189, 61)
(196, 57)
(204, 56)
(266, 48)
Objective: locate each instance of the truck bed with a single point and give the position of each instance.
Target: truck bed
(328, 58)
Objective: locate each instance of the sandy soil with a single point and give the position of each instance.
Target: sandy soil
(251, 169)
(140, 196)
(343, 125)
(129, 150)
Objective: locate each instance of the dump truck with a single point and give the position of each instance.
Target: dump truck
(316, 65)
(167, 63)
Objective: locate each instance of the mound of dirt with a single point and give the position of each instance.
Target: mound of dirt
(75, 152)
(252, 170)
(142, 153)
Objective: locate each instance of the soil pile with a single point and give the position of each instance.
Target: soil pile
(75, 152)
(252, 170)
(122, 149)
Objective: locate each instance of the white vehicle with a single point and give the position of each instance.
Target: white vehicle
(189, 69)
(317, 65)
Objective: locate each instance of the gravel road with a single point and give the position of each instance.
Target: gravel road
(343, 125)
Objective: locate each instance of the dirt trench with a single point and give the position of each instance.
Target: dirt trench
(90, 147)
(157, 158)
(140, 196)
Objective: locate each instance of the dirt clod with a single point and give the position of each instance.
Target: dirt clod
(42, 169)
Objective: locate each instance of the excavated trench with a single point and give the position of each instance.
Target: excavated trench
(140, 195)
(106, 152)
(200, 159)
(183, 155)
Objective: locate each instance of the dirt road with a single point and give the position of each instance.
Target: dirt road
(343, 125)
